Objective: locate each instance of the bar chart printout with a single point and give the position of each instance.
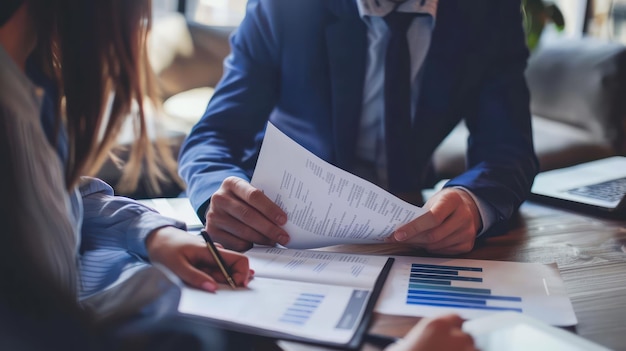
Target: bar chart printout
(302, 308)
(427, 287)
(431, 285)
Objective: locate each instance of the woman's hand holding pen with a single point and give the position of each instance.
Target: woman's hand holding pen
(187, 256)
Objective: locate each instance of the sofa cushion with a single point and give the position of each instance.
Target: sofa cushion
(582, 83)
(559, 145)
(578, 102)
(556, 145)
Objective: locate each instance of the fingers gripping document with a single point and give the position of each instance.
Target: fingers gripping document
(325, 205)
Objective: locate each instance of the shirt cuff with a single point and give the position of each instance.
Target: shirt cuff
(145, 224)
(487, 213)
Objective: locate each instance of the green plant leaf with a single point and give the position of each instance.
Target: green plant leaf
(556, 16)
(535, 16)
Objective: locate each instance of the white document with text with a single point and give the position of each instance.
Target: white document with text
(325, 205)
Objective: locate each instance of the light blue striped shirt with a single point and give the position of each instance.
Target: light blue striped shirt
(113, 236)
(113, 228)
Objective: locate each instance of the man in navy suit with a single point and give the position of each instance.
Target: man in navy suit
(316, 69)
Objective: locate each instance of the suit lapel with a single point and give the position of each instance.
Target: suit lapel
(346, 43)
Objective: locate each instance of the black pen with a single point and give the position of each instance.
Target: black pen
(218, 258)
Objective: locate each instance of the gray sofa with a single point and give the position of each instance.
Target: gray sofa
(578, 100)
(578, 103)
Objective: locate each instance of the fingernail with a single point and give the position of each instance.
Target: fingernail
(283, 239)
(280, 219)
(208, 286)
(400, 236)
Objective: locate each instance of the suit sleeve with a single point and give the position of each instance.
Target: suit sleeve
(225, 141)
(501, 159)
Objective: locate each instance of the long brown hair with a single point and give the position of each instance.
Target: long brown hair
(96, 52)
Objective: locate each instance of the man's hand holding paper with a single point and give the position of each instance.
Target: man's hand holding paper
(240, 215)
(449, 226)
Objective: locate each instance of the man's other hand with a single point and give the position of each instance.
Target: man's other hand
(449, 227)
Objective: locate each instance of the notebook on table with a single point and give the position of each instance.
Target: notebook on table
(598, 186)
(316, 297)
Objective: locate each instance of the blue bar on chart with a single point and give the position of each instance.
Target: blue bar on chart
(302, 308)
(433, 285)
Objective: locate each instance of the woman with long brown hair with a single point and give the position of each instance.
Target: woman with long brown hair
(71, 72)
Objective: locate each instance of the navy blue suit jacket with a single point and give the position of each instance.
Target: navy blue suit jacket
(301, 64)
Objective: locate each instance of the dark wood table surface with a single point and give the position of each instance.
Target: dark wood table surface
(590, 252)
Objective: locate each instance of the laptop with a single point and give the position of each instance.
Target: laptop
(598, 186)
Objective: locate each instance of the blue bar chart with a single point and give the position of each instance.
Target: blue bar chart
(300, 311)
(434, 285)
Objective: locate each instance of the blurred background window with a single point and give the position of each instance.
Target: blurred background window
(214, 13)
(162, 8)
(607, 19)
(574, 14)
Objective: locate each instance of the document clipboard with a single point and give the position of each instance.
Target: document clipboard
(305, 310)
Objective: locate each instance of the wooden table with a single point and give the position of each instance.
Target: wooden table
(590, 252)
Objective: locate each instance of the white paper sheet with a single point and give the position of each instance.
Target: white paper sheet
(429, 287)
(509, 331)
(178, 208)
(317, 295)
(325, 205)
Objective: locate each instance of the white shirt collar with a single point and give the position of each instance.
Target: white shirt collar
(381, 8)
